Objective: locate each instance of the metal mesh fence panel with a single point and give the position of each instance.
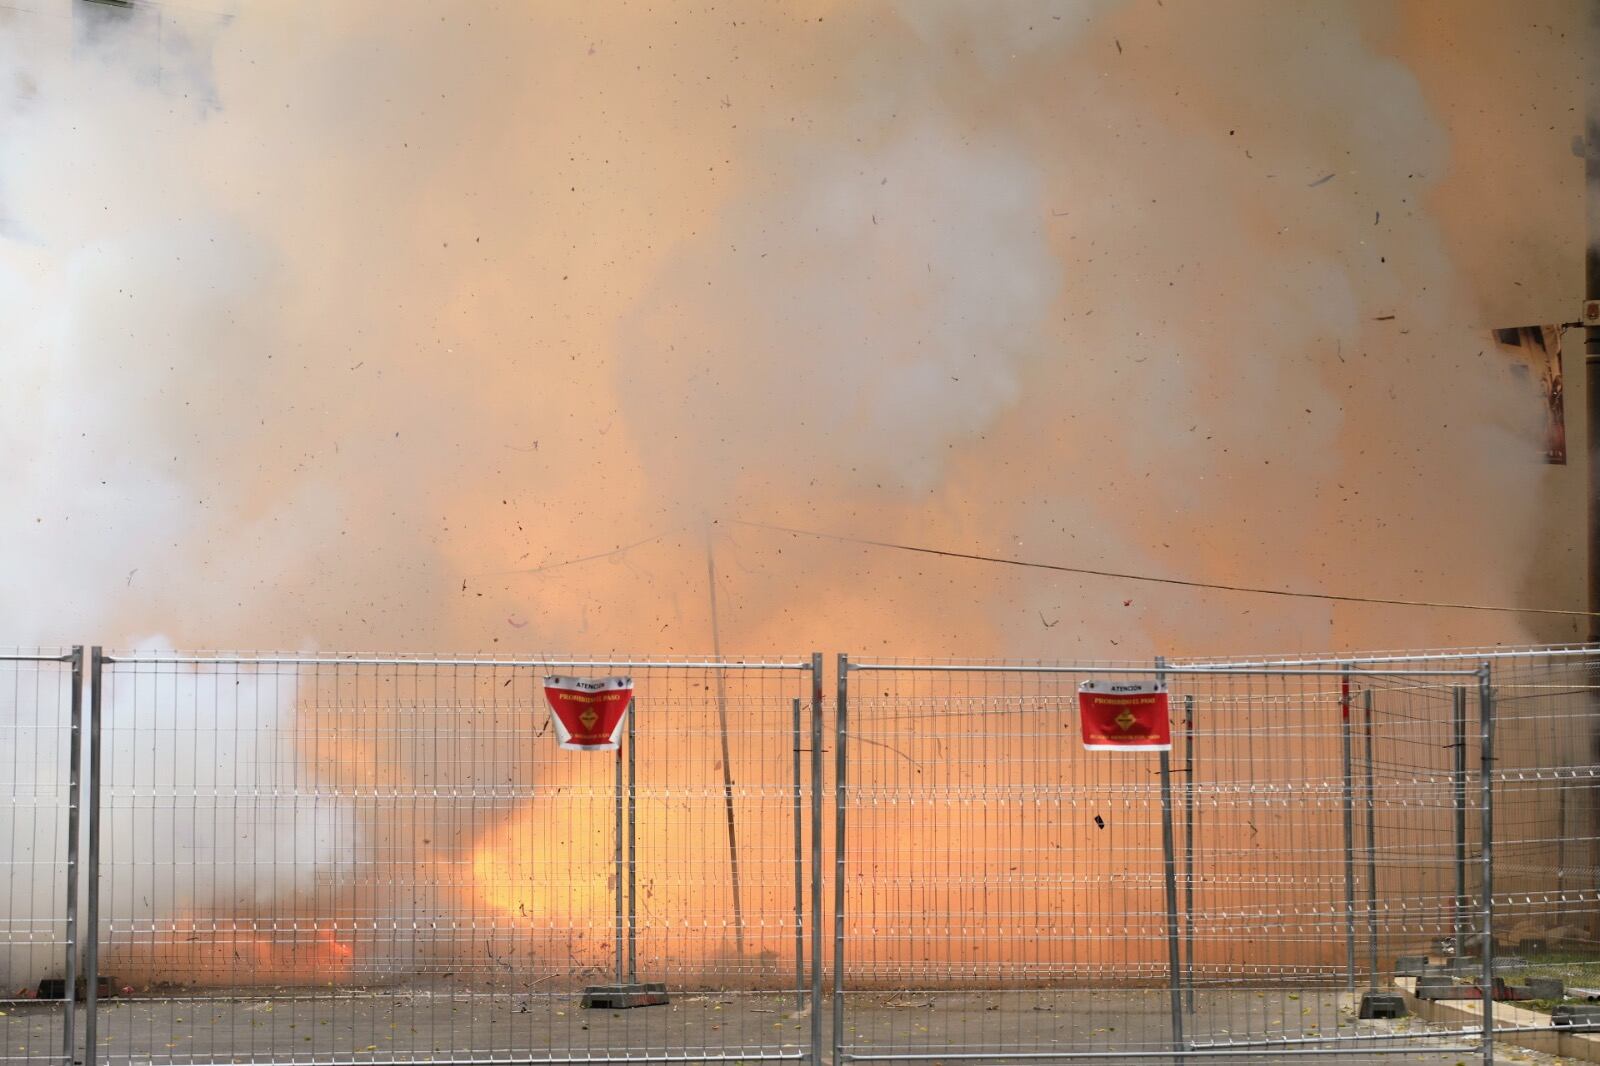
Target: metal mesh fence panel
(38, 716)
(387, 860)
(1546, 855)
(360, 859)
(1544, 859)
(1007, 895)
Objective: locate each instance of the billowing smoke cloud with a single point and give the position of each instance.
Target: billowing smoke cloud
(315, 316)
(333, 326)
(889, 304)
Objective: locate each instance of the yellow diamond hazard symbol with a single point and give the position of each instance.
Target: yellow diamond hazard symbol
(1125, 720)
(589, 718)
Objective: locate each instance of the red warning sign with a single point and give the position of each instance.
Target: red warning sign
(1124, 716)
(588, 711)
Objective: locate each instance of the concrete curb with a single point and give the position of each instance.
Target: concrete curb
(1582, 1046)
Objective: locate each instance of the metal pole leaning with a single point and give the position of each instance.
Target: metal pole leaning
(91, 955)
(1169, 869)
(841, 718)
(816, 859)
(727, 753)
(1349, 837)
(74, 823)
(1486, 772)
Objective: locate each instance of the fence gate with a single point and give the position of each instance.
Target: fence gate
(385, 860)
(1004, 894)
(39, 697)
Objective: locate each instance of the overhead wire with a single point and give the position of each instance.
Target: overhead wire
(623, 549)
(1214, 586)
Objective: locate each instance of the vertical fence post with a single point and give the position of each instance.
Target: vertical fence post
(816, 858)
(1486, 772)
(1458, 925)
(799, 872)
(840, 717)
(91, 955)
(1372, 854)
(620, 934)
(1349, 835)
(1188, 844)
(74, 769)
(633, 855)
(1169, 869)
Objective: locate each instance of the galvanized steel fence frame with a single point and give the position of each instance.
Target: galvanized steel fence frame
(44, 796)
(965, 693)
(674, 699)
(1411, 792)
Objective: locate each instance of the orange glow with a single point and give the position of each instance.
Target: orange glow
(196, 950)
(522, 871)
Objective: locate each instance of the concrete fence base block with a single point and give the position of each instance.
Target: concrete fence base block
(1382, 1005)
(624, 997)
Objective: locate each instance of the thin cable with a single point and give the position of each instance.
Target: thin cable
(1183, 582)
(573, 562)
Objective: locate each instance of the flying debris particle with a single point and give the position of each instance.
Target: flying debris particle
(1384, 318)
(1100, 823)
(1376, 216)
(1127, 603)
(1118, 44)
(135, 570)
(1048, 625)
(1322, 180)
